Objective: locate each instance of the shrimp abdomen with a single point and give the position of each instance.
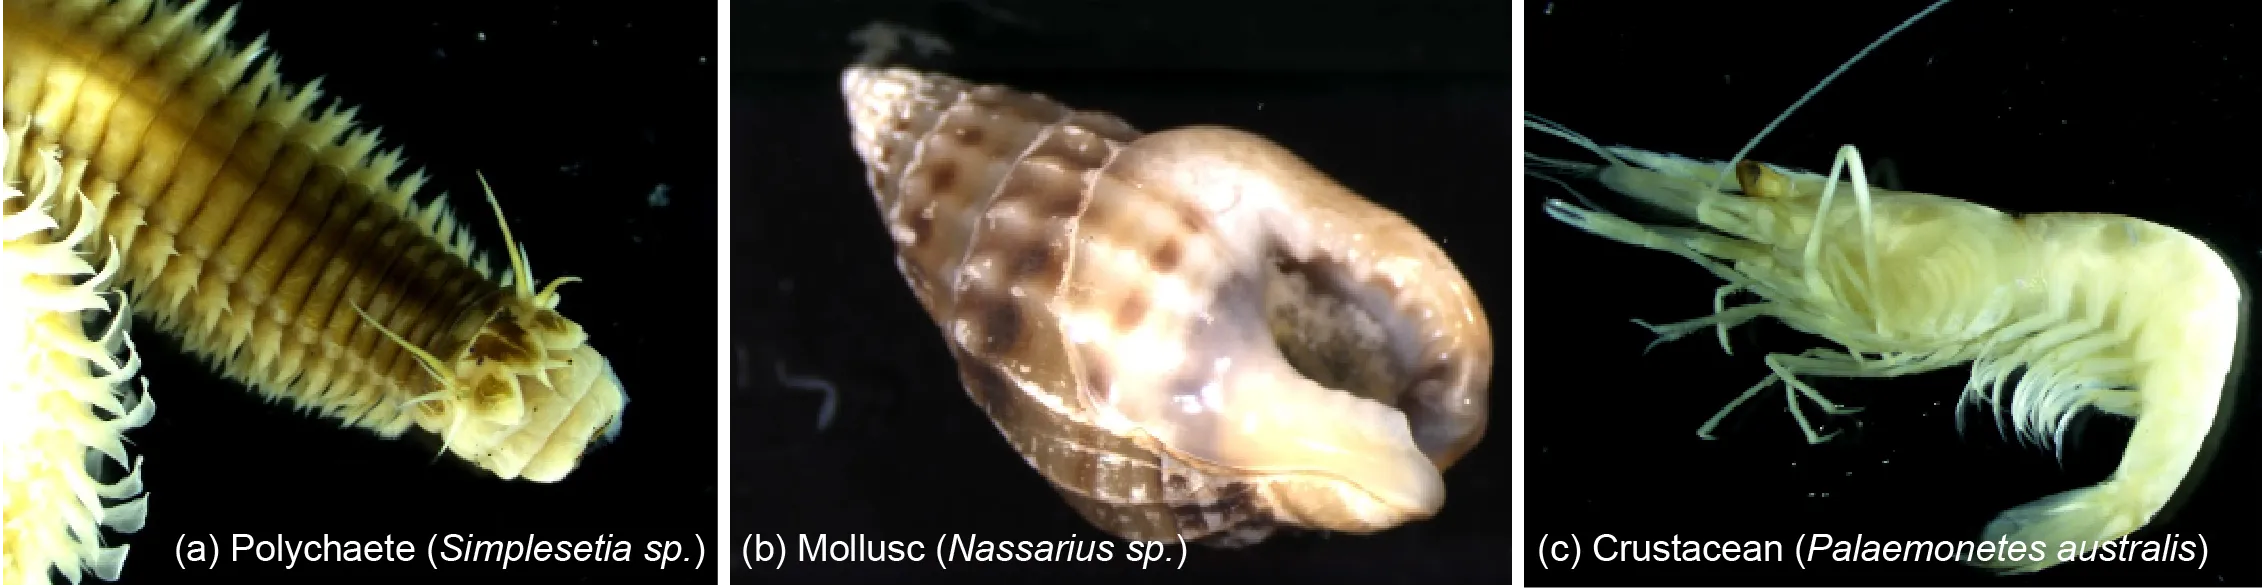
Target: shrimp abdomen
(2176, 306)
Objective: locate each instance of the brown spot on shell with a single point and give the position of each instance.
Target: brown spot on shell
(940, 175)
(1135, 309)
(1166, 257)
(1032, 262)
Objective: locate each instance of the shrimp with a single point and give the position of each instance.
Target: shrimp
(2126, 316)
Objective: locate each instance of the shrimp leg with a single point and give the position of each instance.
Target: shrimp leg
(1820, 362)
(1787, 368)
(1706, 430)
(1795, 389)
(1722, 320)
(1722, 329)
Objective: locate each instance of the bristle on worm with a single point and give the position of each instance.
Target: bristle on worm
(65, 405)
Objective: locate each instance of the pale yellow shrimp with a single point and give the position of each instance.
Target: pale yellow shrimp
(2115, 313)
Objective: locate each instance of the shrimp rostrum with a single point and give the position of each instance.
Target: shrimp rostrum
(2114, 313)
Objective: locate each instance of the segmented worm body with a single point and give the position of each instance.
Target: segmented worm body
(1189, 333)
(278, 243)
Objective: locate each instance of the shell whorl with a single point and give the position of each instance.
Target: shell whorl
(1167, 325)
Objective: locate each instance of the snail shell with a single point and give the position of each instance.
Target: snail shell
(1190, 333)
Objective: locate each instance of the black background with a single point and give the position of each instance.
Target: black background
(1408, 103)
(2144, 109)
(575, 112)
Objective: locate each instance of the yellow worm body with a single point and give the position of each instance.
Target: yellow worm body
(276, 242)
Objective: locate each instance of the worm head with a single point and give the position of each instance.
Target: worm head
(526, 396)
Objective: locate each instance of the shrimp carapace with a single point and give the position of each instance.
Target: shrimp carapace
(1190, 333)
(277, 242)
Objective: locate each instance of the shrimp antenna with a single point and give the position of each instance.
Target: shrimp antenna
(1724, 174)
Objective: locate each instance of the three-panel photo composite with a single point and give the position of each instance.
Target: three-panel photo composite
(1166, 292)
